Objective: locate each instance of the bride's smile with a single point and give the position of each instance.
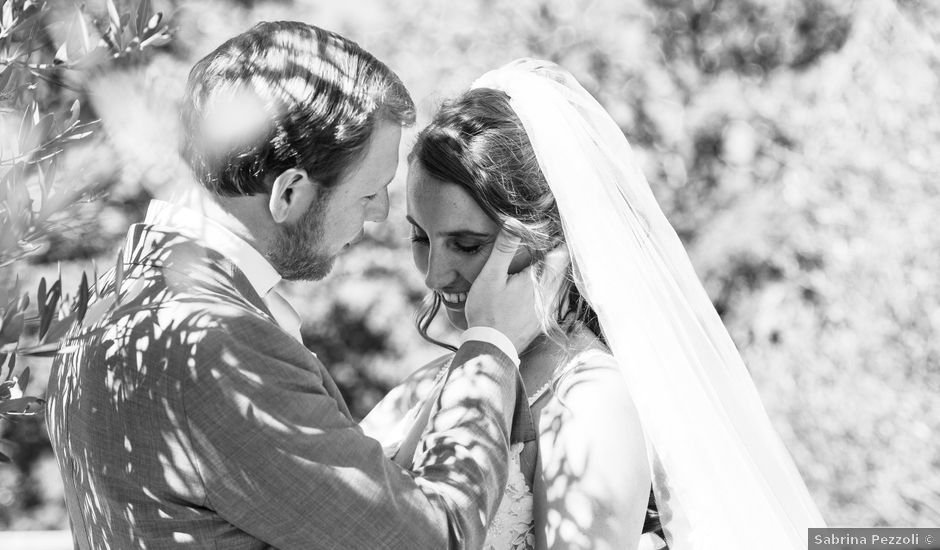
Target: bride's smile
(455, 301)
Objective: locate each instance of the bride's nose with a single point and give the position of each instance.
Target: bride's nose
(441, 272)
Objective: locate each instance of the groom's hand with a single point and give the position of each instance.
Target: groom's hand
(506, 302)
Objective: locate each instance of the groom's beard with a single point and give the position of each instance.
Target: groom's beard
(295, 254)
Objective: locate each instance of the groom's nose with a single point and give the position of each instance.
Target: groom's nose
(378, 207)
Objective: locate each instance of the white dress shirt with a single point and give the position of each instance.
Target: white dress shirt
(259, 272)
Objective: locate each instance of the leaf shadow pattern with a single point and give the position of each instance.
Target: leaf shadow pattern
(116, 415)
(183, 416)
(390, 418)
(311, 106)
(457, 460)
(113, 410)
(590, 517)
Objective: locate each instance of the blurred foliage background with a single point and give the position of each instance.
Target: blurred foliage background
(794, 145)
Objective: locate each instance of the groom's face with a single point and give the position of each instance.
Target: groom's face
(307, 249)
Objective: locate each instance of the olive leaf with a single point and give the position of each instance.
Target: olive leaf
(21, 406)
(81, 303)
(48, 308)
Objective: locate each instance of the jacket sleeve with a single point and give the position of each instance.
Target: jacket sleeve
(281, 460)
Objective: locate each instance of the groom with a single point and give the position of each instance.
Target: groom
(186, 412)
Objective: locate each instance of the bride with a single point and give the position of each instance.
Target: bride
(641, 422)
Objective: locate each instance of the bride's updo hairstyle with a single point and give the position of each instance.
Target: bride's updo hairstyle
(477, 142)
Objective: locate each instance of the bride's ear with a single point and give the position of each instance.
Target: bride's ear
(292, 194)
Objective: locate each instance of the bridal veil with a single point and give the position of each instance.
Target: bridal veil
(721, 475)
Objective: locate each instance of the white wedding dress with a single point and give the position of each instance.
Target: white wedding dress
(397, 416)
(513, 526)
(392, 420)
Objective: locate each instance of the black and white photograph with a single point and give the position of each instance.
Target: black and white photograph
(492, 274)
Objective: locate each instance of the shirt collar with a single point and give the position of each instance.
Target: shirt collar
(197, 224)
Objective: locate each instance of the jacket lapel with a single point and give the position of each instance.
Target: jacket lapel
(152, 246)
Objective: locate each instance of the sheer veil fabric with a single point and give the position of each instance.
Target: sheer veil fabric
(721, 475)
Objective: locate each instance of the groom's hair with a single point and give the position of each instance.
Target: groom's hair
(285, 95)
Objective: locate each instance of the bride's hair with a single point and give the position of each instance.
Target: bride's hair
(477, 142)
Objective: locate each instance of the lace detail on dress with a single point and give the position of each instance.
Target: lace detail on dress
(513, 527)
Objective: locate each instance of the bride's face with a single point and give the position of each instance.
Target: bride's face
(451, 238)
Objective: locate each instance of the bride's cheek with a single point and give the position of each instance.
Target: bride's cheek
(474, 269)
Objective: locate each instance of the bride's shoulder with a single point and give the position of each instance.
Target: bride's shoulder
(588, 354)
(417, 385)
(591, 397)
(429, 371)
(579, 360)
(596, 357)
(590, 369)
(408, 393)
(594, 368)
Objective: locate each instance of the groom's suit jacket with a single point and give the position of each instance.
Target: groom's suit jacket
(183, 416)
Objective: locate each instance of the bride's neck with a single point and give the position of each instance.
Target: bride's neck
(549, 351)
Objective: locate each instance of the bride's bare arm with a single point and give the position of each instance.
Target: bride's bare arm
(382, 421)
(594, 465)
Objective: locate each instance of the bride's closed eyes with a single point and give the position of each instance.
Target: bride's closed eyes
(467, 249)
(463, 241)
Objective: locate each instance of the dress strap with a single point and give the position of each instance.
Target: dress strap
(591, 357)
(533, 399)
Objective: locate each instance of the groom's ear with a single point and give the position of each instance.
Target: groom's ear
(292, 194)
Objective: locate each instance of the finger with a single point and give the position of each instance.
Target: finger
(556, 263)
(504, 249)
(555, 269)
